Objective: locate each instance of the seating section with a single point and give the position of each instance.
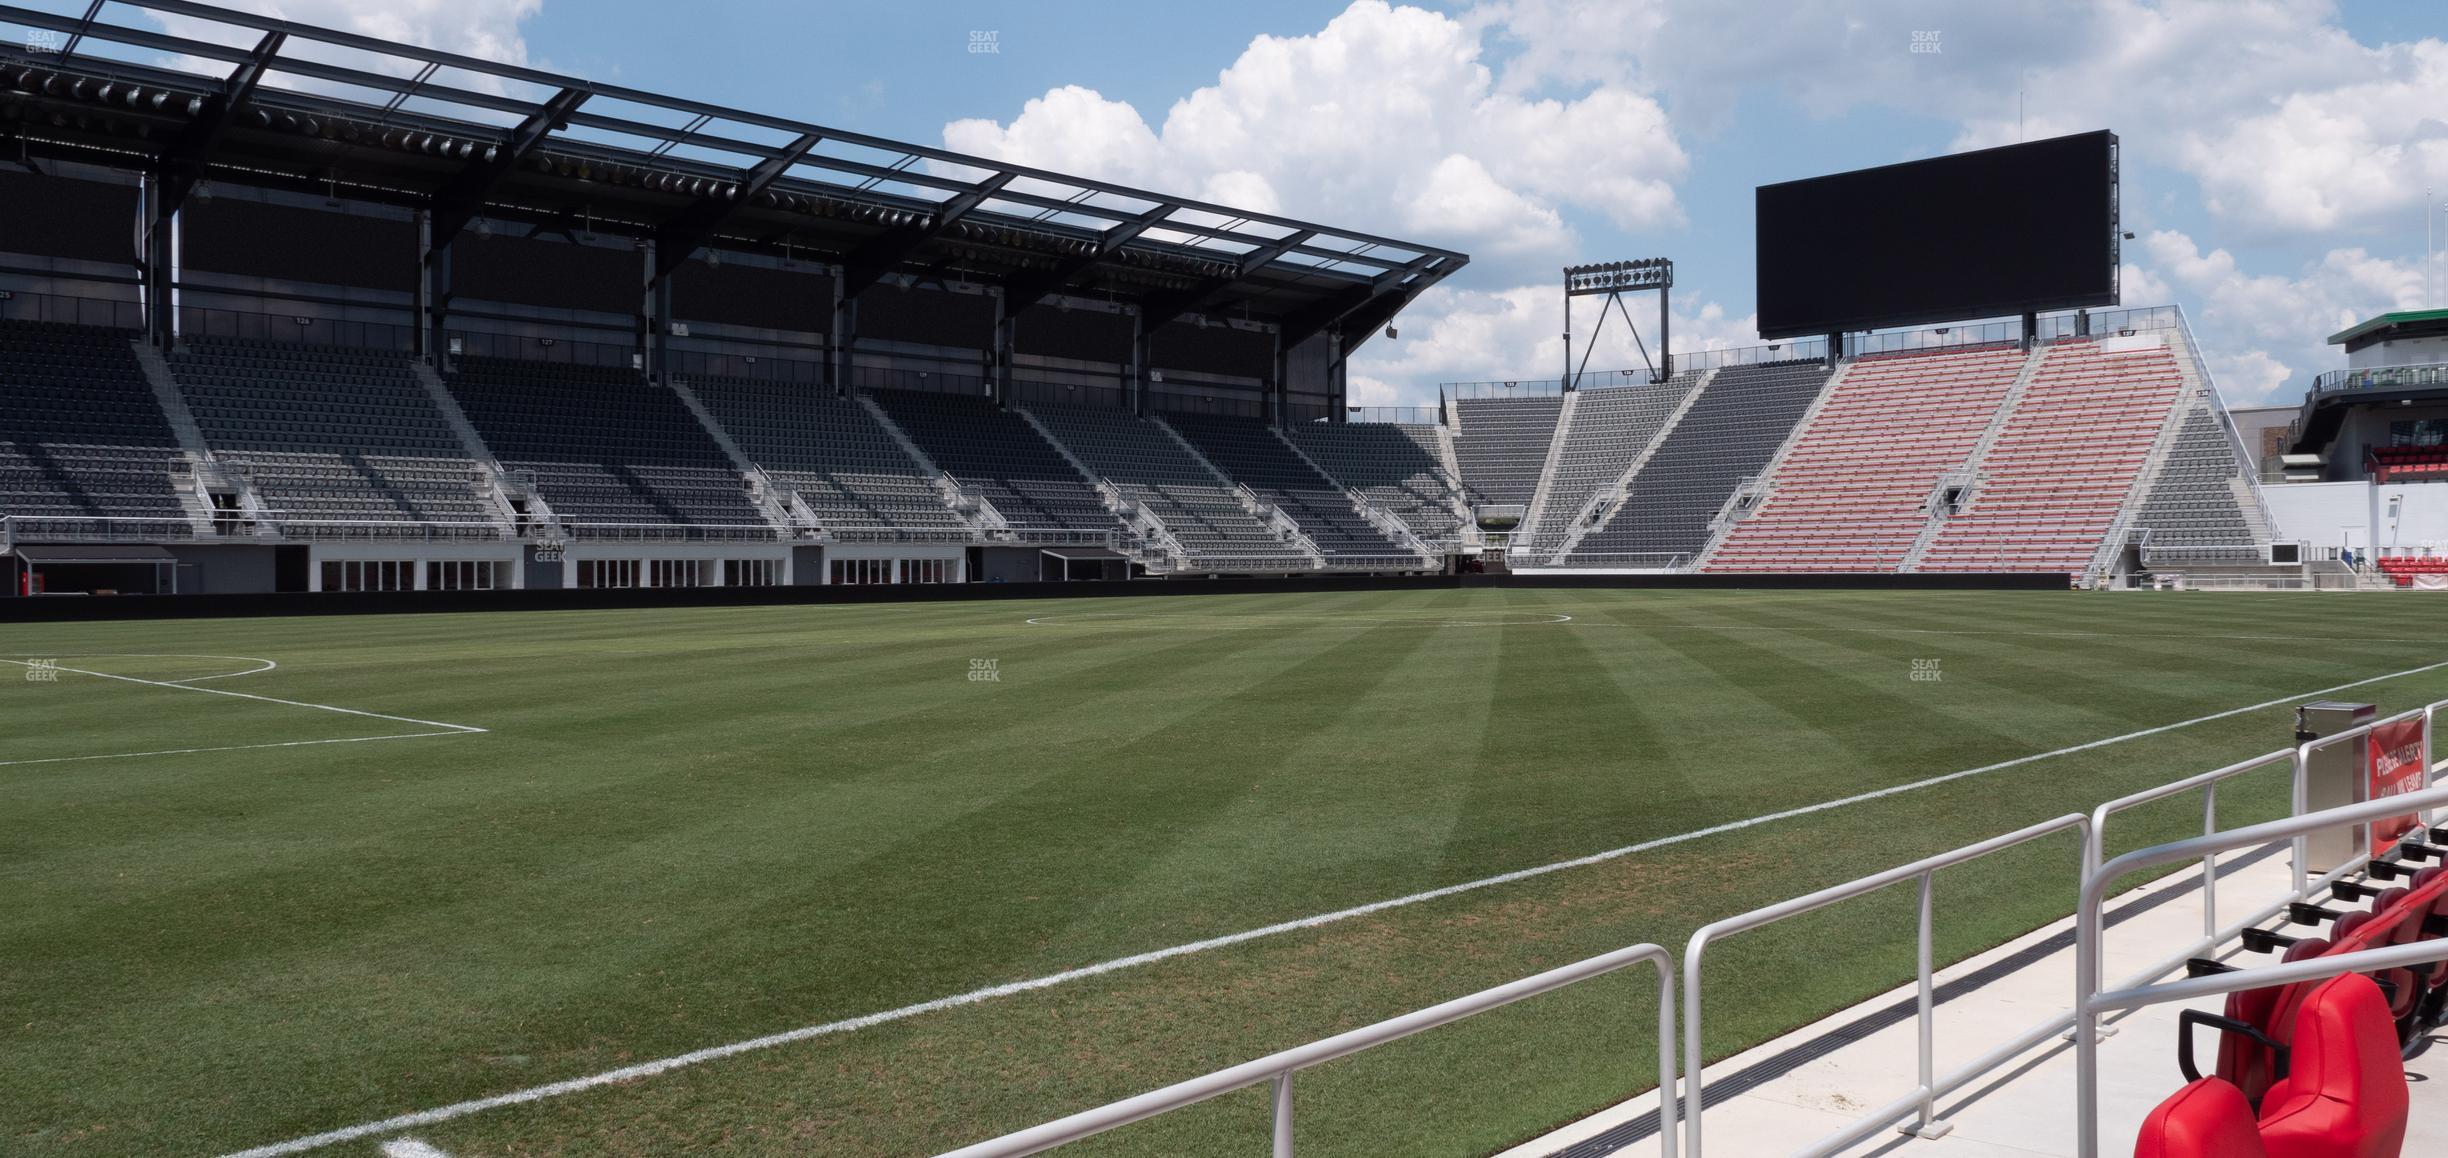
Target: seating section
(1500, 446)
(1252, 454)
(2427, 571)
(857, 479)
(999, 454)
(1150, 467)
(612, 453)
(1397, 465)
(2196, 504)
(1853, 492)
(2406, 904)
(2049, 488)
(2409, 464)
(1730, 432)
(81, 434)
(2346, 1094)
(1608, 429)
(329, 436)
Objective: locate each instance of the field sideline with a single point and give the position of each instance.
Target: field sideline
(605, 838)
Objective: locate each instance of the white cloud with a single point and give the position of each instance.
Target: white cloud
(2262, 334)
(1464, 335)
(1385, 114)
(486, 29)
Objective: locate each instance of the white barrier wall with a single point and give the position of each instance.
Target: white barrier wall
(2340, 514)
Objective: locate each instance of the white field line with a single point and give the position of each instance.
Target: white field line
(412, 1148)
(439, 728)
(714, 1053)
(1228, 619)
(1542, 619)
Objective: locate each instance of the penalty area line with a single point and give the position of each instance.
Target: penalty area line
(438, 727)
(975, 996)
(188, 687)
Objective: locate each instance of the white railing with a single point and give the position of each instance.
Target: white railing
(2091, 1002)
(2208, 785)
(1277, 1069)
(589, 531)
(93, 529)
(2081, 1021)
(1058, 536)
(1631, 560)
(1921, 1103)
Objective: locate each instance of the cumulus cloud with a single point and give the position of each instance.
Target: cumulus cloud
(1385, 114)
(1455, 334)
(486, 29)
(2263, 333)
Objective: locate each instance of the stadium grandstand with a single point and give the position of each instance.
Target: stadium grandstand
(556, 618)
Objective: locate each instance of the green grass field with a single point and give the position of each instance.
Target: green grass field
(684, 828)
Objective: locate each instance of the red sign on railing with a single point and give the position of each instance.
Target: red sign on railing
(2396, 768)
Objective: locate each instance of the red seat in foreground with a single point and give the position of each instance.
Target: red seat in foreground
(2208, 1119)
(2344, 1095)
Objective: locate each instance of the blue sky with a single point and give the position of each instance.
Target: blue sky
(2275, 154)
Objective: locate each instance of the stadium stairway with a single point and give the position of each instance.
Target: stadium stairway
(1397, 467)
(1031, 488)
(777, 508)
(2050, 490)
(1149, 470)
(613, 454)
(83, 436)
(1257, 457)
(1501, 445)
(1857, 486)
(830, 460)
(333, 442)
(2201, 506)
(1604, 430)
(1733, 425)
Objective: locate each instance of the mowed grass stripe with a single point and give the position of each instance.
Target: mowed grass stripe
(686, 858)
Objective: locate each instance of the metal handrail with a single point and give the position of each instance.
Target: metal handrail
(1924, 1097)
(579, 529)
(2090, 1001)
(2207, 784)
(1278, 1068)
(2381, 378)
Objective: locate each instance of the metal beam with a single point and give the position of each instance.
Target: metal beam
(690, 229)
(878, 255)
(184, 160)
(226, 18)
(1163, 309)
(1023, 292)
(1376, 302)
(463, 197)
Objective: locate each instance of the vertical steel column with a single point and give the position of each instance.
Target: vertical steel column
(424, 344)
(999, 360)
(1665, 332)
(1565, 382)
(845, 332)
(438, 271)
(656, 315)
(153, 260)
(1279, 389)
(1140, 351)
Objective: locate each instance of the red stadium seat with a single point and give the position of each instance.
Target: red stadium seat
(2345, 1093)
(2246, 1063)
(2208, 1119)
